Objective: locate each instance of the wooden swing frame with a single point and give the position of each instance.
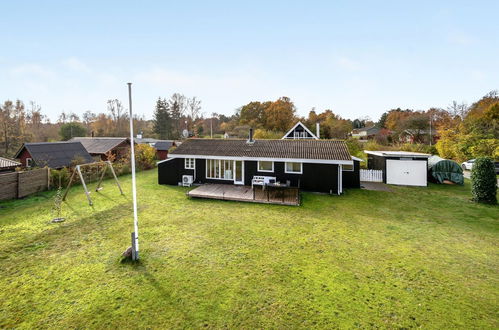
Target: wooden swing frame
(107, 164)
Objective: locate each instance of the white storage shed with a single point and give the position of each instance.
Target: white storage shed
(400, 167)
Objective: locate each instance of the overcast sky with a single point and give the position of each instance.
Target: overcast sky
(356, 58)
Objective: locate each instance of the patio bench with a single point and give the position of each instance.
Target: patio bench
(260, 180)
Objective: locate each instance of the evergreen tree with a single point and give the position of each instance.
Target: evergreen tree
(162, 122)
(70, 130)
(483, 181)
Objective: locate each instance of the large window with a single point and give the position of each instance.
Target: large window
(220, 169)
(265, 166)
(295, 168)
(190, 163)
(299, 135)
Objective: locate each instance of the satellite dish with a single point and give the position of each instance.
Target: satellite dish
(185, 133)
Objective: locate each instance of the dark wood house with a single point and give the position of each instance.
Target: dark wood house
(53, 154)
(104, 148)
(162, 148)
(8, 165)
(313, 165)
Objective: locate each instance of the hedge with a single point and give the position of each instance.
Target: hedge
(484, 181)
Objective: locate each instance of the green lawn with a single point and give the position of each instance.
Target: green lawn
(415, 257)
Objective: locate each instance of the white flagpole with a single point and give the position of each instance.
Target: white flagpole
(135, 239)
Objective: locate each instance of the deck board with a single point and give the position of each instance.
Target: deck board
(288, 196)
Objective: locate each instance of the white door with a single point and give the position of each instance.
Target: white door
(406, 172)
(238, 172)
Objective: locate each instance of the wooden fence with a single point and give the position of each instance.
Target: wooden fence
(21, 184)
(371, 175)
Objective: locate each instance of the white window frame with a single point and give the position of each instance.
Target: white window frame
(291, 172)
(345, 170)
(190, 163)
(221, 176)
(258, 166)
(29, 162)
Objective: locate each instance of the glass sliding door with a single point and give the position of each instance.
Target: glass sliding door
(238, 172)
(220, 169)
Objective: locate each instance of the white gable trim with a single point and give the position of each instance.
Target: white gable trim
(164, 160)
(304, 127)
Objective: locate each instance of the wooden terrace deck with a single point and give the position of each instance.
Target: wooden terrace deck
(287, 196)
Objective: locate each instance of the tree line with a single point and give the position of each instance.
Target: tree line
(461, 131)
(20, 123)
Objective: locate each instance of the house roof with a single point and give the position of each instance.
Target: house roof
(314, 151)
(145, 140)
(100, 145)
(369, 130)
(304, 127)
(412, 131)
(163, 145)
(56, 154)
(397, 154)
(8, 163)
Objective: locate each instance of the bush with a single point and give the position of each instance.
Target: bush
(416, 147)
(484, 181)
(373, 146)
(267, 134)
(355, 148)
(60, 178)
(145, 156)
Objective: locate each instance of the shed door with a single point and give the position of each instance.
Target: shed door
(406, 172)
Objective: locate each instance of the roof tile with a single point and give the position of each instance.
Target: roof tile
(292, 149)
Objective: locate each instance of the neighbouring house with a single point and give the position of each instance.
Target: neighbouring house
(8, 165)
(142, 140)
(162, 148)
(365, 133)
(53, 154)
(418, 136)
(312, 165)
(101, 148)
(300, 131)
(400, 167)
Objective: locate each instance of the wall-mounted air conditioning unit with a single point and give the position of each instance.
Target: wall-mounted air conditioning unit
(187, 180)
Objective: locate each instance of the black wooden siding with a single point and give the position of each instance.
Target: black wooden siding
(315, 177)
(170, 172)
(351, 179)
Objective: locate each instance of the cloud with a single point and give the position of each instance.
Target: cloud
(32, 70)
(75, 64)
(348, 64)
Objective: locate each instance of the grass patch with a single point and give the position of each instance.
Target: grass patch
(414, 257)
